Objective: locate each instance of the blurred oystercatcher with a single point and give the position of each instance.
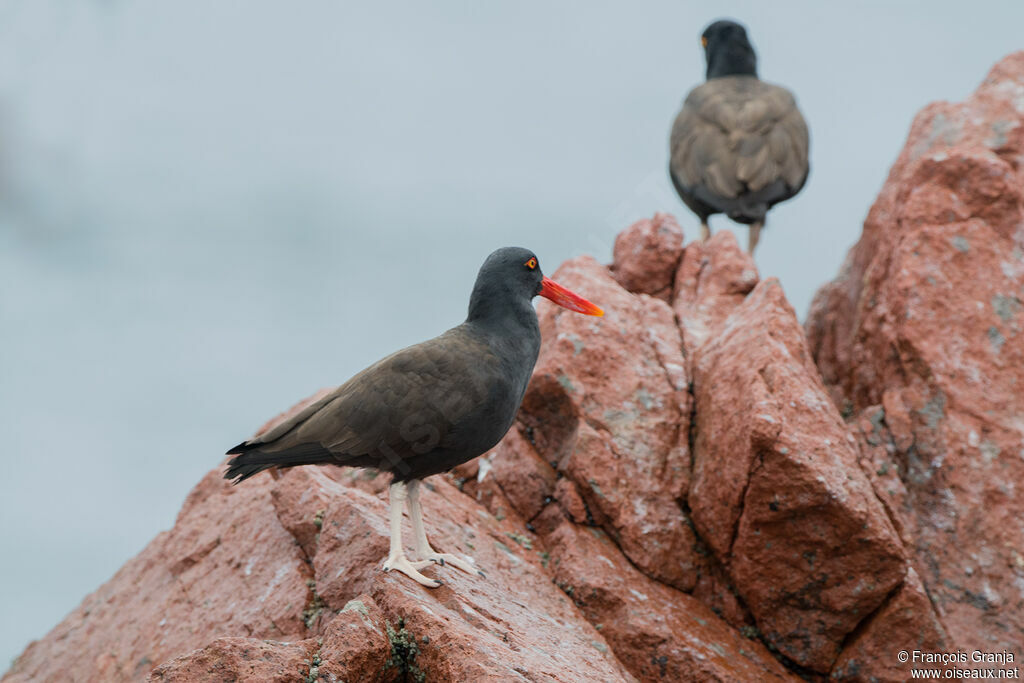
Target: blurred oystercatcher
(739, 145)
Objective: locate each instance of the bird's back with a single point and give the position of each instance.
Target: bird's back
(738, 146)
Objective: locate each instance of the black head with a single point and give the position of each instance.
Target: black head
(509, 279)
(728, 50)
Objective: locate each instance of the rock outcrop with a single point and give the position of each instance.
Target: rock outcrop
(776, 491)
(919, 342)
(693, 490)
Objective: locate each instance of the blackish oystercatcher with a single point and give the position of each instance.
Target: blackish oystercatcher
(426, 408)
(739, 146)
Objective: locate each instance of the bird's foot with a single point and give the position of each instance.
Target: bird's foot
(447, 558)
(705, 232)
(400, 563)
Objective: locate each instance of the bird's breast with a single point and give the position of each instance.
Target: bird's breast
(493, 389)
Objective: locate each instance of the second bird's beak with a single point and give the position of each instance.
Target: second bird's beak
(566, 299)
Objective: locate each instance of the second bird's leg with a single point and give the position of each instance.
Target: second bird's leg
(397, 560)
(754, 236)
(705, 231)
(424, 552)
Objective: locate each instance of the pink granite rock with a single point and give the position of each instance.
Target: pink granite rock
(658, 633)
(777, 492)
(920, 337)
(240, 659)
(713, 278)
(646, 255)
(608, 407)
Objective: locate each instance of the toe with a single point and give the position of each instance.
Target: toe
(459, 564)
(411, 572)
(403, 565)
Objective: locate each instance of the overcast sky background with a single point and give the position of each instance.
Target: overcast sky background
(210, 210)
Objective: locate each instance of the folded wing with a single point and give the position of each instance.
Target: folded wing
(739, 142)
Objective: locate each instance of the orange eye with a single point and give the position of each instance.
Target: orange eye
(703, 41)
(531, 264)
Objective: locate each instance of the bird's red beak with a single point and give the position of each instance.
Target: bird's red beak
(563, 297)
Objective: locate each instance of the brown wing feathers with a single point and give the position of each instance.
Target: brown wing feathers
(738, 146)
(392, 411)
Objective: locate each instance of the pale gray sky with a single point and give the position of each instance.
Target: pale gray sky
(210, 210)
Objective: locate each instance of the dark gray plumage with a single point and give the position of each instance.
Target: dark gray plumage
(418, 412)
(739, 145)
(428, 407)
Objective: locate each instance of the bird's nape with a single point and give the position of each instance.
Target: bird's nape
(728, 51)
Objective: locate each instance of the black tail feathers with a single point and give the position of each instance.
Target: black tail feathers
(241, 448)
(250, 460)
